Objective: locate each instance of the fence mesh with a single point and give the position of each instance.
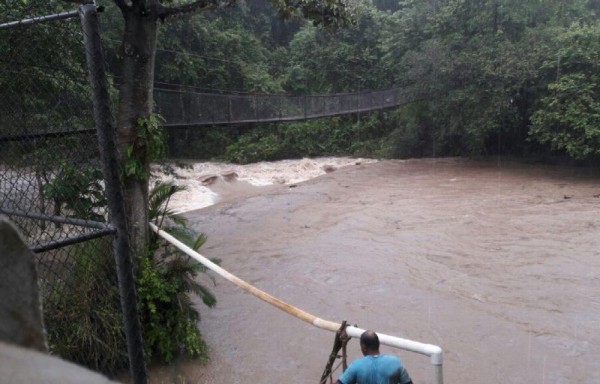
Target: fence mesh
(51, 183)
(184, 107)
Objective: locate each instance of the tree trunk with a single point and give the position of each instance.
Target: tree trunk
(135, 102)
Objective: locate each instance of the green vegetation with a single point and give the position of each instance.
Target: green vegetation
(149, 145)
(165, 279)
(506, 77)
(83, 314)
(363, 136)
(77, 189)
(568, 114)
(57, 74)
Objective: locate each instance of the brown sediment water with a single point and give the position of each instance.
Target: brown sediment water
(498, 263)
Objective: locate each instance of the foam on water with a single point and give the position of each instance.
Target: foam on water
(199, 194)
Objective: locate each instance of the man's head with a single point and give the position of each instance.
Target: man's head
(369, 343)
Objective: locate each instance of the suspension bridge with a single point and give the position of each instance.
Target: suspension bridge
(185, 107)
(181, 107)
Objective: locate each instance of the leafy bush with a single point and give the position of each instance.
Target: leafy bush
(165, 279)
(323, 137)
(257, 145)
(167, 314)
(569, 120)
(411, 135)
(401, 133)
(78, 189)
(204, 144)
(82, 310)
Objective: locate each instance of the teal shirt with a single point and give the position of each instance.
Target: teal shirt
(381, 369)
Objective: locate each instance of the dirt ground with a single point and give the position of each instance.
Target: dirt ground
(496, 262)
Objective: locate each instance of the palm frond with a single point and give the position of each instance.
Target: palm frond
(159, 198)
(184, 301)
(184, 234)
(177, 219)
(200, 241)
(204, 269)
(173, 281)
(208, 298)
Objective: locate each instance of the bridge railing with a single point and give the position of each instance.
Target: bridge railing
(182, 107)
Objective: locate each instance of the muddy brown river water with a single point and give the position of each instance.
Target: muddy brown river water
(497, 263)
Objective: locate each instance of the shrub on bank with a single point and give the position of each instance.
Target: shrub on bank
(82, 309)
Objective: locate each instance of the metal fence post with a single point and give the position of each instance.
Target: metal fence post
(110, 169)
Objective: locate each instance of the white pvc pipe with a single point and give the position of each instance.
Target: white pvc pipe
(433, 351)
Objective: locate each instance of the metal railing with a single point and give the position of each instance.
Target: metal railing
(434, 352)
(185, 107)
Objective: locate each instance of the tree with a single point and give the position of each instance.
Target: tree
(568, 116)
(137, 55)
(343, 60)
(215, 51)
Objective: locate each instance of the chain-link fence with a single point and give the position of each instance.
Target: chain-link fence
(52, 186)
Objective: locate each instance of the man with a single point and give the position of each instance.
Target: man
(374, 368)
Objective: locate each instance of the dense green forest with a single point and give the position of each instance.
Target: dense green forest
(507, 77)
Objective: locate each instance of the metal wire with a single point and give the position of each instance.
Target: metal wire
(187, 107)
(40, 19)
(41, 149)
(51, 184)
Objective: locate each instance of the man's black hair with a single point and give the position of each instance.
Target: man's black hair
(370, 340)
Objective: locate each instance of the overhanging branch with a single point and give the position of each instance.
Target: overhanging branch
(165, 13)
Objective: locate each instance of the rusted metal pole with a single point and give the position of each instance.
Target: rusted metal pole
(40, 19)
(338, 343)
(114, 193)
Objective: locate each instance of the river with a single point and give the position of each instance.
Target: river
(497, 262)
